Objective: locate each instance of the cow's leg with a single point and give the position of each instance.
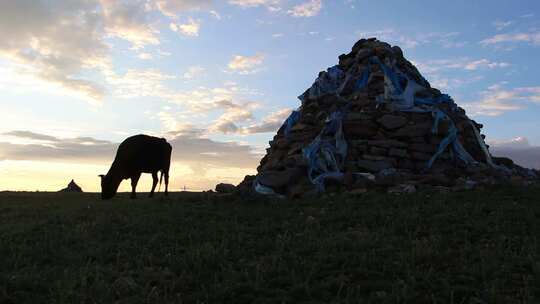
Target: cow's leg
(134, 181)
(167, 183)
(154, 183)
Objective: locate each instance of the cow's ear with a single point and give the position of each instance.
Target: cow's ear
(101, 175)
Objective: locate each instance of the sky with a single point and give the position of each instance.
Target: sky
(218, 78)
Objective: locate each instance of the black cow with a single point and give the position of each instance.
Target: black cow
(138, 154)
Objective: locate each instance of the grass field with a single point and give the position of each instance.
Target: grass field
(469, 247)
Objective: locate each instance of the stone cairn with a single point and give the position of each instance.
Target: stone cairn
(72, 187)
(373, 122)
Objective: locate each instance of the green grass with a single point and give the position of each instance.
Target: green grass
(470, 247)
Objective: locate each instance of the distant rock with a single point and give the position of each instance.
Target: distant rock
(225, 188)
(72, 187)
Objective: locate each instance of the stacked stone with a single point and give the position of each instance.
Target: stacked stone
(388, 146)
(72, 187)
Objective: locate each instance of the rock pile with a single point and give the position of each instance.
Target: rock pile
(373, 122)
(72, 187)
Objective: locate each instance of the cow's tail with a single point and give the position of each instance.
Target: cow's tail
(160, 179)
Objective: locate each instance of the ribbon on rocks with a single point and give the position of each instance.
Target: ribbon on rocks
(327, 83)
(325, 156)
(290, 122)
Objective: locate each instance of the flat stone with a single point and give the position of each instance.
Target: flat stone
(358, 142)
(295, 149)
(296, 160)
(282, 143)
(417, 130)
(374, 157)
(403, 189)
(363, 54)
(406, 164)
(391, 122)
(420, 156)
(299, 127)
(503, 161)
(358, 116)
(425, 148)
(345, 60)
(373, 165)
(280, 179)
(365, 129)
(397, 51)
(397, 153)
(387, 143)
(378, 151)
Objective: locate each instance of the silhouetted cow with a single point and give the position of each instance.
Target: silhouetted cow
(138, 154)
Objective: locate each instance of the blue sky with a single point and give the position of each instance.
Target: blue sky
(228, 73)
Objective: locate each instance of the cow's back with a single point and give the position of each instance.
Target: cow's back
(142, 153)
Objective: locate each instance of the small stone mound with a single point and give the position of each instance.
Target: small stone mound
(225, 188)
(72, 187)
(374, 122)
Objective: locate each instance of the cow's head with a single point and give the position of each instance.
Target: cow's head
(108, 186)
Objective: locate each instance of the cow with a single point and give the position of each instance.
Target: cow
(136, 155)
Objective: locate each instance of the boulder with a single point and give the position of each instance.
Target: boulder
(225, 188)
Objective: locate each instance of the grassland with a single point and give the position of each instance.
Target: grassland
(469, 247)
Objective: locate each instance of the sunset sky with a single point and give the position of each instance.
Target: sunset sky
(217, 78)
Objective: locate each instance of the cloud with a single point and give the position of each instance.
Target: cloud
(234, 122)
(464, 63)
(246, 64)
(224, 126)
(66, 44)
(145, 56)
(436, 70)
(475, 65)
(215, 14)
(272, 5)
(531, 93)
(391, 36)
(500, 25)
(128, 20)
(194, 72)
(412, 40)
(496, 100)
(137, 83)
(54, 42)
(271, 123)
(54, 148)
(495, 103)
(514, 143)
(31, 135)
(171, 8)
(190, 28)
(308, 9)
(233, 115)
(201, 105)
(519, 150)
(532, 37)
(445, 83)
(187, 148)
